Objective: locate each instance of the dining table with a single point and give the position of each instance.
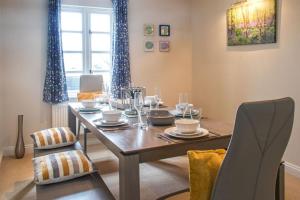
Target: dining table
(133, 145)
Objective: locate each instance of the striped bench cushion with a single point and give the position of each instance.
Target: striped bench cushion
(53, 138)
(60, 167)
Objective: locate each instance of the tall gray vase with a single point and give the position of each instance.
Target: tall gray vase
(20, 147)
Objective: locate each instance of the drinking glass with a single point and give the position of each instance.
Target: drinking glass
(183, 103)
(157, 97)
(138, 105)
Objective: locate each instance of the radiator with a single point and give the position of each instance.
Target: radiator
(60, 115)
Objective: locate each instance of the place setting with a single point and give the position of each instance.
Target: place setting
(89, 107)
(184, 109)
(184, 129)
(111, 121)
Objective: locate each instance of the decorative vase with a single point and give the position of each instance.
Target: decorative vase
(20, 147)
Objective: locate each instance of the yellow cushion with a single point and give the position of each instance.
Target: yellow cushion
(204, 167)
(87, 95)
(53, 138)
(60, 167)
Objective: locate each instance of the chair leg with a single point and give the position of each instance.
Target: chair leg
(78, 130)
(280, 183)
(85, 141)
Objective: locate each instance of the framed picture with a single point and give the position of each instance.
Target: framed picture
(252, 22)
(164, 46)
(164, 30)
(148, 29)
(149, 46)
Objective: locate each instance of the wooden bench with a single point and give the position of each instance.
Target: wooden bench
(87, 187)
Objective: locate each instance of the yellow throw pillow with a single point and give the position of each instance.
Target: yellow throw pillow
(87, 95)
(53, 138)
(60, 167)
(204, 167)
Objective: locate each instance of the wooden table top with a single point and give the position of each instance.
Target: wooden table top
(135, 140)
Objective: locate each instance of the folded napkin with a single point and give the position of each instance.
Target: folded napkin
(87, 95)
(204, 167)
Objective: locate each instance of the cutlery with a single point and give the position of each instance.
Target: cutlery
(163, 137)
(216, 134)
(115, 129)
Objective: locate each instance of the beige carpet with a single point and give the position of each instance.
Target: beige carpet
(157, 178)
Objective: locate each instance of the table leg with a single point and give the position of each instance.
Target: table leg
(129, 177)
(71, 120)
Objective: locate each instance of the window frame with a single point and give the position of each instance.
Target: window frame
(86, 32)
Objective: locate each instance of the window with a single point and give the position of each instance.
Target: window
(86, 38)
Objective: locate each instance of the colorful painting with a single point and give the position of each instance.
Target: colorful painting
(149, 29)
(252, 22)
(164, 46)
(164, 30)
(149, 46)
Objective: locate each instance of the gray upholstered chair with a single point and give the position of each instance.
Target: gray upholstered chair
(261, 134)
(252, 168)
(89, 83)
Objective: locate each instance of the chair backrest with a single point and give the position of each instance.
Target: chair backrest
(261, 134)
(91, 83)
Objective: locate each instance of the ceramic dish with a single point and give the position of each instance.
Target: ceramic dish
(201, 132)
(89, 110)
(89, 103)
(111, 115)
(178, 113)
(102, 123)
(187, 125)
(161, 118)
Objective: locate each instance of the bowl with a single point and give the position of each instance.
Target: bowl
(112, 115)
(187, 125)
(150, 100)
(161, 118)
(88, 104)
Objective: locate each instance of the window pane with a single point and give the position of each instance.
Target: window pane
(73, 62)
(71, 21)
(101, 61)
(100, 22)
(100, 42)
(73, 81)
(72, 41)
(106, 77)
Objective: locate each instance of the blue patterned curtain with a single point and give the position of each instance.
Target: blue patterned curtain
(121, 66)
(55, 87)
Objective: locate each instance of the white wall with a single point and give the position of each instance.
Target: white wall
(1, 85)
(169, 71)
(24, 55)
(223, 77)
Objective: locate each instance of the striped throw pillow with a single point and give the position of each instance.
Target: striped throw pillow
(53, 138)
(60, 167)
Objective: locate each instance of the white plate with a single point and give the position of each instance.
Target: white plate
(201, 132)
(102, 123)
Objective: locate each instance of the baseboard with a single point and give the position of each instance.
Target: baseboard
(292, 169)
(10, 150)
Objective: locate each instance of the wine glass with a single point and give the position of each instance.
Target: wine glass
(157, 97)
(138, 105)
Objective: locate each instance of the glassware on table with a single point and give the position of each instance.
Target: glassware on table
(108, 95)
(157, 97)
(138, 105)
(183, 103)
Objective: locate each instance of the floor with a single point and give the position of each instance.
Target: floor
(16, 177)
